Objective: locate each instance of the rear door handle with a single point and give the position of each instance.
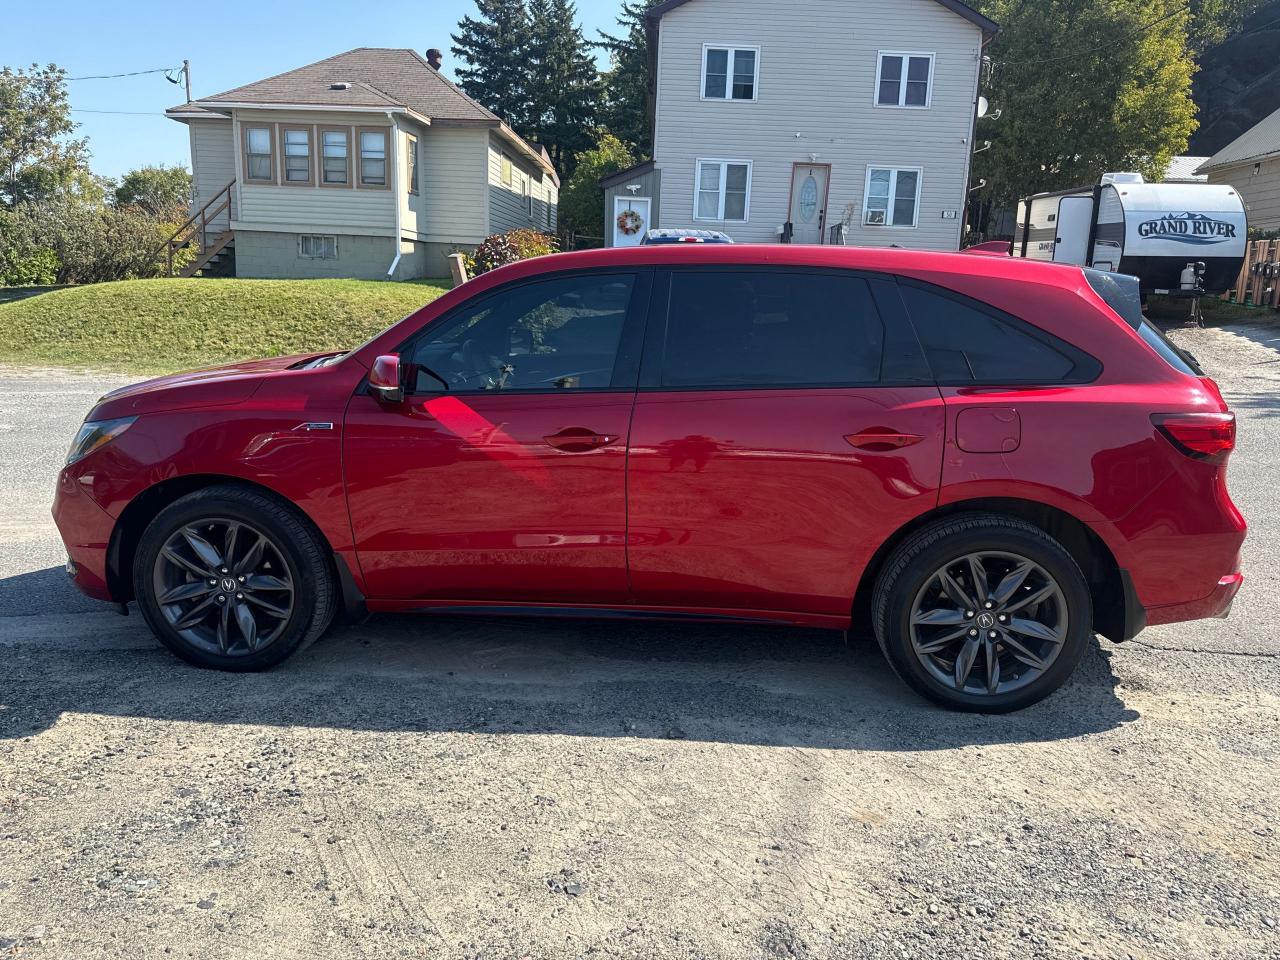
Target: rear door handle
(882, 439)
(579, 440)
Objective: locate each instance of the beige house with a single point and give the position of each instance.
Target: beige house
(809, 121)
(368, 164)
(1251, 164)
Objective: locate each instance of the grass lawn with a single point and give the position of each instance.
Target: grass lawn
(158, 326)
(1172, 310)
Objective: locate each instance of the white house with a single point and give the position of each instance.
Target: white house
(366, 164)
(1251, 164)
(810, 121)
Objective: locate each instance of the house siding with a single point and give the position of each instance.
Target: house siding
(453, 168)
(301, 208)
(1260, 191)
(213, 164)
(507, 210)
(815, 103)
(650, 183)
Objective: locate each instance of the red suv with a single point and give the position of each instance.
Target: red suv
(983, 460)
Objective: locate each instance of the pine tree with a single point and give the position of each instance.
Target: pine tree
(494, 46)
(626, 109)
(564, 85)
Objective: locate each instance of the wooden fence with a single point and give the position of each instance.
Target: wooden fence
(1259, 280)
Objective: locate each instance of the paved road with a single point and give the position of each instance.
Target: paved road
(461, 788)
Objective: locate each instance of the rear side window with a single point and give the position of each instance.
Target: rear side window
(968, 342)
(770, 329)
(1180, 360)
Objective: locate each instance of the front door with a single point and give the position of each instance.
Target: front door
(785, 424)
(809, 201)
(630, 220)
(502, 476)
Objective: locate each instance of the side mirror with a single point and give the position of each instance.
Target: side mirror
(384, 379)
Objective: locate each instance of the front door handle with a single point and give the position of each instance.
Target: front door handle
(579, 440)
(882, 439)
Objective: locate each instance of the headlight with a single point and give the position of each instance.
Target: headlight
(94, 434)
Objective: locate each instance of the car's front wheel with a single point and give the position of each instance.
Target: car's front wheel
(983, 613)
(233, 579)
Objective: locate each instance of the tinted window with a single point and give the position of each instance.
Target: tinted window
(1180, 360)
(559, 334)
(967, 343)
(770, 329)
(1119, 292)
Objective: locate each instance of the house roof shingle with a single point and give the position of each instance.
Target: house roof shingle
(989, 27)
(1258, 142)
(377, 78)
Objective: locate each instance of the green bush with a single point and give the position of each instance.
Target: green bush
(36, 268)
(510, 247)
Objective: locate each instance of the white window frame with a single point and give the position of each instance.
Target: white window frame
(894, 170)
(724, 185)
(323, 242)
(906, 56)
(728, 97)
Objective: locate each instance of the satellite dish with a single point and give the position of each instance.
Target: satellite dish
(983, 106)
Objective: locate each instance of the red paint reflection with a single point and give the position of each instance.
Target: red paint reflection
(488, 438)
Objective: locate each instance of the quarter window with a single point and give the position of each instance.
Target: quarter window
(770, 329)
(556, 334)
(335, 163)
(892, 197)
(904, 79)
(257, 152)
(297, 155)
(730, 73)
(967, 342)
(723, 190)
(373, 158)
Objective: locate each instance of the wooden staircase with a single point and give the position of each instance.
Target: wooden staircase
(214, 243)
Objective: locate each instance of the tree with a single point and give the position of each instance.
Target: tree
(582, 199)
(157, 190)
(627, 98)
(1083, 86)
(564, 84)
(38, 157)
(494, 46)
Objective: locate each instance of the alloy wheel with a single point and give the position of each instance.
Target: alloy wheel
(988, 623)
(224, 586)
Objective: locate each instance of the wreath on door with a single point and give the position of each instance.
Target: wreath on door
(630, 222)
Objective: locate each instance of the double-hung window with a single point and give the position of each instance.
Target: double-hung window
(723, 190)
(411, 155)
(297, 155)
(335, 164)
(730, 73)
(373, 158)
(904, 79)
(259, 159)
(892, 197)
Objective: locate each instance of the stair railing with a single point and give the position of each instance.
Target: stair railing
(196, 227)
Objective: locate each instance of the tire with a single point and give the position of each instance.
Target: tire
(292, 573)
(916, 611)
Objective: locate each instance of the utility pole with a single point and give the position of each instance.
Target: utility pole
(186, 75)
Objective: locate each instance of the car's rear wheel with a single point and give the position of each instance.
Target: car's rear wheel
(982, 613)
(233, 579)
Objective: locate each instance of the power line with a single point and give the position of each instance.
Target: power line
(128, 113)
(135, 73)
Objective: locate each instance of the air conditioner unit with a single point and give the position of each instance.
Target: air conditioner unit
(875, 218)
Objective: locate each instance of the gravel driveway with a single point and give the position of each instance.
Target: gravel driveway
(476, 788)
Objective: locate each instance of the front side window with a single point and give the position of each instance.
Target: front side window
(723, 190)
(892, 197)
(259, 164)
(555, 334)
(730, 73)
(770, 329)
(336, 165)
(411, 155)
(967, 343)
(904, 79)
(314, 246)
(373, 158)
(297, 154)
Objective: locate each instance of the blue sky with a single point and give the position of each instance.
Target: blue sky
(95, 37)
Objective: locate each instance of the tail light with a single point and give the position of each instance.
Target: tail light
(1205, 436)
